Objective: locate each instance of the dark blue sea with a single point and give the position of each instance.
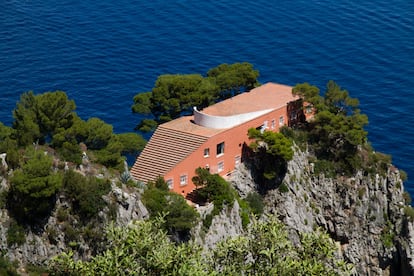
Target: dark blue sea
(101, 53)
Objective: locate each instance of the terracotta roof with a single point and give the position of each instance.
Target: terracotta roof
(166, 148)
(267, 96)
(173, 141)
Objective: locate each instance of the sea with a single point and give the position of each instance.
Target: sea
(102, 53)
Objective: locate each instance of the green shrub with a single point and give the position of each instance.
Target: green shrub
(3, 198)
(85, 193)
(387, 235)
(409, 212)
(361, 192)
(179, 216)
(207, 221)
(283, 188)
(15, 234)
(256, 204)
(33, 188)
(62, 214)
(6, 267)
(324, 167)
(71, 234)
(403, 175)
(407, 198)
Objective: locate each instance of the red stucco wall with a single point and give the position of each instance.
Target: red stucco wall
(233, 138)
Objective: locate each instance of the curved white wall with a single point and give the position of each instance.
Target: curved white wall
(219, 122)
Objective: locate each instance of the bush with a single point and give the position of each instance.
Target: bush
(283, 188)
(85, 193)
(403, 175)
(256, 203)
(6, 267)
(15, 234)
(324, 167)
(179, 216)
(409, 212)
(407, 198)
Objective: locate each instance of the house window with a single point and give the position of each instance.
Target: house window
(183, 180)
(281, 121)
(308, 109)
(170, 184)
(273, 124)
(237, 160)
(206, 152)
(220, 148)
(220, 166)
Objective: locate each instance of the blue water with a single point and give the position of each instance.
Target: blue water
(101, 53)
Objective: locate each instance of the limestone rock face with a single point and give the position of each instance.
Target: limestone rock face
(364, 214)
(42, 244)
(130, 206)
(225, 225)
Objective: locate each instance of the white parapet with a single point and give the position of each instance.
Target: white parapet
(219, 122)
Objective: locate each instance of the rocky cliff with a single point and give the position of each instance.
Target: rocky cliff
(364, 214)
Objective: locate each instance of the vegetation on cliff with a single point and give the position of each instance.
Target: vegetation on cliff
(144, 248)
(48, 145)
(176, 95)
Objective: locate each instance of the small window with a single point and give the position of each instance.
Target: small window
(308, 109)
(220, 166)
(170, 184)
(206, 152)
(237, 160)
(183, 180)
(273, 124)
(220, 148)
(281, 120)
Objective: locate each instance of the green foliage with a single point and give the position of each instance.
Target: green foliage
(85, 193)
(143, 248)
(50, 118)
(409, 212)
(110, 155)
(176, 95)
(214, 189)
(256, 204)
(324, 167)
(131, 142)
(147, 125)
(266, 250)
(33, 187)
(388, 235)
(179, 216)
(39, 117)
(96, 133)
(70, 152)
(5, 132)
(407, 198)
(6, 267)
(283, 188)
(245, 211)
(234, 78)
(337, 129)
(275, 143)
(272, 152)
(15, 234)
(403, 175)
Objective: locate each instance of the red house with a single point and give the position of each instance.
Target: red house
(214, 137)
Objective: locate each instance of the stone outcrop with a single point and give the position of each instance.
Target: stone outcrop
(225, 225)
(42, 244)
(364, 214)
